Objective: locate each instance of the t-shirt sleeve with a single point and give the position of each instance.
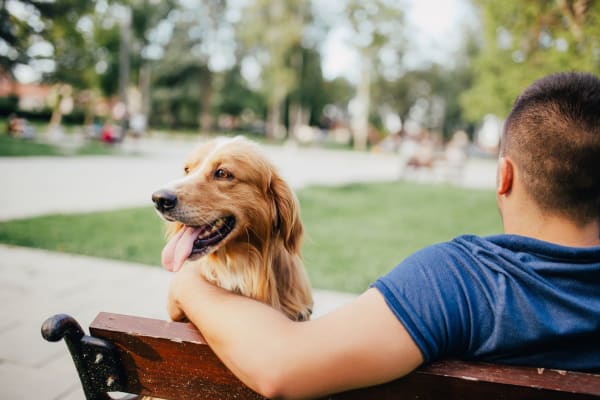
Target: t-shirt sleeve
(429, 294)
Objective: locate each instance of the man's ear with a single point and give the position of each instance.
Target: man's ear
(506, 176)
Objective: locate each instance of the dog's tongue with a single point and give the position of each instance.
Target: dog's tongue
(179, 248)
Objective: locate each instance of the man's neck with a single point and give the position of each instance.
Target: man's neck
(554, 229)
(521, 214)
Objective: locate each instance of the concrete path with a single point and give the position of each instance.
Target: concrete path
(41, 185)
(35, 284)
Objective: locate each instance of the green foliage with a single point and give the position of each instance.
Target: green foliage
(309, 89)
(235, 97)
(107, 40)
(178, 48)
(376, 24)
(274, 28)
(8, 105)
(184, 79)
(525, 40)
(377, 34)
(428, 85)
(338, 91)
(50, 22)
(353, 233)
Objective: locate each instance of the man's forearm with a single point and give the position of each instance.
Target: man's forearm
(279, 357)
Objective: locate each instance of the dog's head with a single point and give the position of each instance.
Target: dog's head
(230, 193)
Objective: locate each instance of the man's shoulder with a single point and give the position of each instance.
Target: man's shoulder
(460, 247)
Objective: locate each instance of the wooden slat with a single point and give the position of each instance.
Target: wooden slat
(453, 379)
(551, 379)
(171, 360)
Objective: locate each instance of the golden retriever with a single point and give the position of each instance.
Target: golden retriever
(233, 213)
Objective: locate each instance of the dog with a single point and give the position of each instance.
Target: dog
(233, 214)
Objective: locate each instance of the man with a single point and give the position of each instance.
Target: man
(530, 296)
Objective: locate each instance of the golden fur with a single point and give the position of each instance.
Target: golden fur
(260, 258)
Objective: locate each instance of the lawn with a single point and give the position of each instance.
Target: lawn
(14, 147)
(10, 146)
(353, 233)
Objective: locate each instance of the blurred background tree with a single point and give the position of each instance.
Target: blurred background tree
(275, 46)
(186, 74)
(45, 35)
(378, 37)
(259, 66)
(524, 40)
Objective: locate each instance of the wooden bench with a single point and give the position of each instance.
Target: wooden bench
(171, 360)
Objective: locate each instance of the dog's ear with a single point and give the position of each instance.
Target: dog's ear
(286, 215)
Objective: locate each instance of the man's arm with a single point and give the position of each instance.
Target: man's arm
(360, 344)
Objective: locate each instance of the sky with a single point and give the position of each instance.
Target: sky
(434, 35)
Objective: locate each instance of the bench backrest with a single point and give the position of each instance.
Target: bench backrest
(171, 360)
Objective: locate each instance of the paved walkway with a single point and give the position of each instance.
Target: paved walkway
(35, 284)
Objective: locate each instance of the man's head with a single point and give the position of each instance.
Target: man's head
(552, 136)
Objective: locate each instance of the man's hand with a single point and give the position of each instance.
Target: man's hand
(184, 282)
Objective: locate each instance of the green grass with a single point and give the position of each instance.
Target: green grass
(14, 147)
(10, 147)
(359, 232)
(354, 233)
(128, 234)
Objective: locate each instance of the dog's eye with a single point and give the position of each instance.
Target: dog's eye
(186, 169)
(223, 174)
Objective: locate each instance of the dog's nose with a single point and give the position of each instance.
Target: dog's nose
(164, 200)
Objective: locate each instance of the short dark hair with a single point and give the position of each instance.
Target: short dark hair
(553, 136)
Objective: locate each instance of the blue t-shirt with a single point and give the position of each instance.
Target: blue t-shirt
(506, 299)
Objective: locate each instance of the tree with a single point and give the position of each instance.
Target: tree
(28, 23)
(376, 29)
(146, 17)
(437, 89)
(235, 97)
(14, 32)
(308, 97)
(269, 31)
(186, 72)
(524, 40)
(48, 37)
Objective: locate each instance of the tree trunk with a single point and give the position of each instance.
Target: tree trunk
(61, 91)
(274, 129)
(299, 117)
(273, 118)
(124, 65)
(144, 83)
(56, 117)
(205, 121)
(360, 123)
